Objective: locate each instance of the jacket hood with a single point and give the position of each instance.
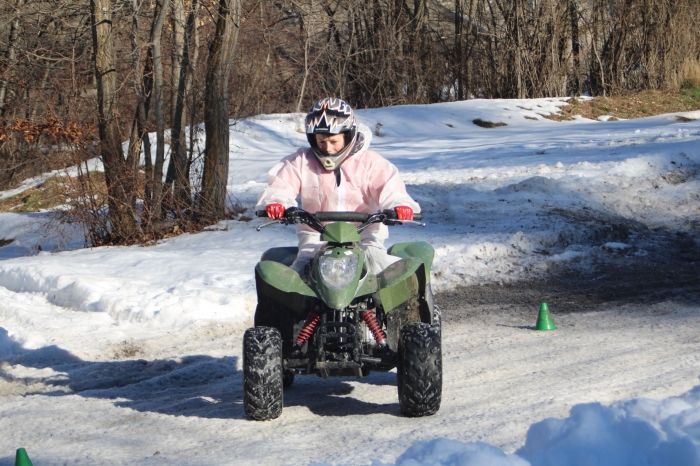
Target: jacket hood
(364, 137)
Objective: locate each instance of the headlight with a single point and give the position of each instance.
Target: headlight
(338, 273)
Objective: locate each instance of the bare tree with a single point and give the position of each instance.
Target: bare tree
(575, 47)
(162, 8)
(11, 54)
(117, 173)
(216, 115)
(142, 89)
(178, 170)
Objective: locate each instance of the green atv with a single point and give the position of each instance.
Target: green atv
(340, 320)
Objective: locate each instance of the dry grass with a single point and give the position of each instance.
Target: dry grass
(644, 104)
(691, 75)
(52, 193)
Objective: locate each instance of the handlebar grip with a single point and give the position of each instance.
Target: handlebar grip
(261, 213)
(391, 215)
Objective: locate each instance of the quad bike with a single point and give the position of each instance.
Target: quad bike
(340, 320)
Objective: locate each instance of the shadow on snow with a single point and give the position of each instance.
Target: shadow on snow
(198, 385)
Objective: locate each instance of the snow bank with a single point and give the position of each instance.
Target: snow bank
(207, 276)
(12, 225)
(630, 433)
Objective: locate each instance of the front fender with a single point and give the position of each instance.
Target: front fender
(282, 284)
(396, 283)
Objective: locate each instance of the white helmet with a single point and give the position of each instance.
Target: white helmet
(331, 116)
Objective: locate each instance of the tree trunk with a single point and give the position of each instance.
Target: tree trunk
(458, 57)
(156, 33)
(518, 50)
(214, 179)
(140, 120)
(121, 210)
(133, 154)
(598, 22)
(176, 60)
(307, 43)
(178, 173)
(305, 28)
(575, 46)
(178, 31)
(44, 79)
(190, 80)
(11, 56)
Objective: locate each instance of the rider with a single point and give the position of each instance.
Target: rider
(337, 173)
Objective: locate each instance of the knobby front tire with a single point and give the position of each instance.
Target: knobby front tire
(419, 372)
(262, 373)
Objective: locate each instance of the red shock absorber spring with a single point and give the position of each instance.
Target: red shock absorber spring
(374, 327)
(308, 329)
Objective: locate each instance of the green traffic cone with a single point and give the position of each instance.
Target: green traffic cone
(544, 319)
(22, 459)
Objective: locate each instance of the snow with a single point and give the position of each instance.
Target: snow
(629, 433)
(443, 451)
(616, 246)
(502, 204)
(691, 115)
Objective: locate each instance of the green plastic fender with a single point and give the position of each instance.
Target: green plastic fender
(284, 255)
(341, 232)
(282, 284)
(395, 283)
(418, 249)
(368, 286)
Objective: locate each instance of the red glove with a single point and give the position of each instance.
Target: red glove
(275, 211)
(404, 212)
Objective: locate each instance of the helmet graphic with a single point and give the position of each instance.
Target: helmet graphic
(331, 116)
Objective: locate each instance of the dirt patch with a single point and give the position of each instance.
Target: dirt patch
(488, 124)
(679, 176)
(663, 267)
(644, 104)
(127, 349)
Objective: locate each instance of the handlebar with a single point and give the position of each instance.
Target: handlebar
(358, 217)
(293, 215)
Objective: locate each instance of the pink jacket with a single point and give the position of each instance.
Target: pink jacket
(368, 183)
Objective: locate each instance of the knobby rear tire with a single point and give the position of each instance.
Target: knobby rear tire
(419, 372)
(262, 373)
